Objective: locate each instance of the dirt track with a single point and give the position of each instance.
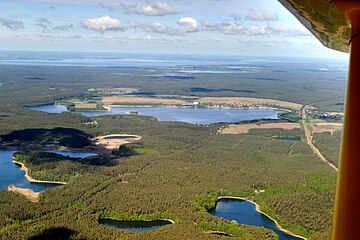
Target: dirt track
(309, 138)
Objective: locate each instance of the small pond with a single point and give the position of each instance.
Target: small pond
(72, 154)
(134, 226)
(290, 140)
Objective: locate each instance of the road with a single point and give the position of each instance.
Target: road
(309, 138)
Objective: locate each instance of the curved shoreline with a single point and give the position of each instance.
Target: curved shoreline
(259, 210)
(30, 179)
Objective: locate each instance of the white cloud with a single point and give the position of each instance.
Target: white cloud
(233, 29)
(276, 26)
(188, 24)
(239, 29)
(209, 26)
(158, 9)
(12, 24)
(256, 15)
(255, 30)
(157, 28)
(103, 24)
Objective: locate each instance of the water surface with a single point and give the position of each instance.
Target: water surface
(11, 174)
(134, 226)
(245, 212)
(180, 114)
(290, 140)
(72, 154)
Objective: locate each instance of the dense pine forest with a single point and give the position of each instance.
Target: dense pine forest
(176, 171)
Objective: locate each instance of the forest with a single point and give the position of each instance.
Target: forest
(177, 170)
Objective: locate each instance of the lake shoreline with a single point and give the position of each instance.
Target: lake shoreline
(32, 180)
(258, 209)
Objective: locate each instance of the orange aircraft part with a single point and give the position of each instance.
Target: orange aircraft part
(347, 204)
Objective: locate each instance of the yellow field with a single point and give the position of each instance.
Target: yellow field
(241, 129)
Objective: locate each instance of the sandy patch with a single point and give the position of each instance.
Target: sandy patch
(111, 142)
(79, 105)
(140, 100)
(28, 193)
(242, 101)
(241, 129)
(326, 127)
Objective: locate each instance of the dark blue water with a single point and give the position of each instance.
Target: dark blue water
(245, 212)
(180, 114)
(11, 174)
(134, 226)
(72, 154)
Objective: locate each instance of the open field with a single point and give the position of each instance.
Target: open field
(326, 127)
(244, 128)
(245, 101)
(80, 105)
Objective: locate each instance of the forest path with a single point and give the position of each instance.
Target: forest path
(309, 138)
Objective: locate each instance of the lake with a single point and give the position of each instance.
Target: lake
(11, 174)
(72, 154)
(244, 212)
(179, 114)
(134, 226)
(290, 140)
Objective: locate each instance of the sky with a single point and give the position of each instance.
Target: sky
(207, 27)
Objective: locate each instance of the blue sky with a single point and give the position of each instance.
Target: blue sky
(226, 27)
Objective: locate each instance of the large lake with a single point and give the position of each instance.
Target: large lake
(180, 114)
(245, 212)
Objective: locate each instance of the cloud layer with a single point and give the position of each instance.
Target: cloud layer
(12, 24)
(158, 9)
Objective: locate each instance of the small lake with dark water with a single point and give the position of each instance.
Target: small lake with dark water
(290, 140)
(181, 114)
(134, 226)
(72, 154)
(11, 173)
(244, 212)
